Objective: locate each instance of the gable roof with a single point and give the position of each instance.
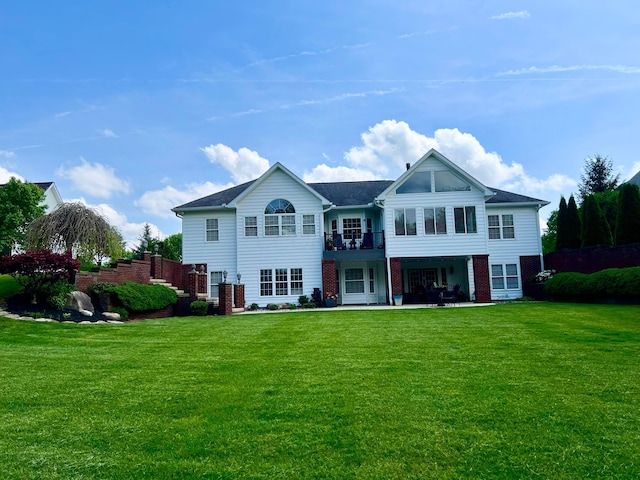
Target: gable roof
(342, 194)
(452, 166)
(502, 196)
(635, 179)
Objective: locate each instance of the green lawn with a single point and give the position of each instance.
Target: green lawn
(510, 391)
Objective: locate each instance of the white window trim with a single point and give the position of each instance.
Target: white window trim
(250, 226)
(504, 276)
(404, 219)
(290, 281)
(207, 230)
(464, 210)
(501, 226)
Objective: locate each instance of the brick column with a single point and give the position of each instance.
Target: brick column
(192, 282)
(156, 266)
(238, 295)
(329, 280)
(481, 278)
(225, 303)
(397, 285)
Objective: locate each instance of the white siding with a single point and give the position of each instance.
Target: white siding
(270, 252)
(421, 245)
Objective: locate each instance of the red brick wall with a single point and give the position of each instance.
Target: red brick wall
(138, 271)
(329, 279)
(225, 300)
(593, 259)
(397, 285)
(481, 278)
(162, 313)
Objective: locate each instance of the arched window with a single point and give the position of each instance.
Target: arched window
(279, 218)
(279, 205)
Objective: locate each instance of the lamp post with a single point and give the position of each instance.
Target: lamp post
(224, 276)
(239, 277)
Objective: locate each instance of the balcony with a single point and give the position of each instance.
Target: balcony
(366, 246)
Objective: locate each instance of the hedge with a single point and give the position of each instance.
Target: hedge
(613, 284)
(136, 297)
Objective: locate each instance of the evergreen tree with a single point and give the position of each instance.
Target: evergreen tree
(597, 177)
(595, 229)
(551, 233)
(628, 215)
(562, 236)
(573, 225)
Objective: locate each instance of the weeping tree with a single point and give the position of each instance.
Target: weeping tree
(73, 228)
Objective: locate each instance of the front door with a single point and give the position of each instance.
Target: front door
(358, 283)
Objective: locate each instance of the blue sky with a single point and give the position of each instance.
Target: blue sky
(137, 107)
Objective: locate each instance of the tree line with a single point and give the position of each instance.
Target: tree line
(607, 214)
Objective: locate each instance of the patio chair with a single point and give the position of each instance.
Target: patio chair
(338, 244)
(451, 296)
(367, 241)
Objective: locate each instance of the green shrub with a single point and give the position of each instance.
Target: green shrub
(100, 288)
(617, 284)
(198, 307)
(253, 307)
(309, 305)
(136, 297)
(56, 293)
(124, 314)
(272, 306)
(303, 299)
(293, 306)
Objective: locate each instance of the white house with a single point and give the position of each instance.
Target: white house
(365, 241)
(52, 199)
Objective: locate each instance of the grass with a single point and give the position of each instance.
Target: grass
(8, 286)
(512, 391)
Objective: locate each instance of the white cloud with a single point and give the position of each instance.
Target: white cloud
(108, 133)
(389, 145)
(510, 15)
(324, 173)
(6, 153)
(160, 202)
(95, 179)
(243, 165)
(571, 68)
(5, 175)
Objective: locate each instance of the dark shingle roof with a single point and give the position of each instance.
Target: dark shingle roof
(343, 194)
(635, 179)
(351, 193)
(503, 196)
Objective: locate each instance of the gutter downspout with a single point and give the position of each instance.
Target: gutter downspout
(389, 289)
(540, 238)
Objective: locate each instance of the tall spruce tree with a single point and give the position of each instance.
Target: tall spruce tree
(628, 215)
(573, 225)
(595, 229)
(562, 234)
(597, 176)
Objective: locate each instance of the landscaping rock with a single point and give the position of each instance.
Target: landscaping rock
(79, 301)
(86, 313)
(112, 315)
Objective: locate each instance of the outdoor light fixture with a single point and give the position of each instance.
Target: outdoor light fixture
(224, 276)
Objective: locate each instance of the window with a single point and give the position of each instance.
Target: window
(448, 182)
(278, 219)
(282, 281)
(250, 226)
(351, 228)
(502, 275)
(419, 182)
(496, 228)
(215, 278)
(266, 283)
(465, 219)
(308, 224)
(211, 230)
(405, 221)
(435, 221)
(372, 283)
(354, 280)
(296, 281)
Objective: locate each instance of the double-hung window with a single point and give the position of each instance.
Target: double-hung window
(465, 219)
(280, 281)
(250, 226)
(211, 230)
(352, 228)
(405, 221)
(500, 226)
(215, 279)
(504, 276)
(279, 218)
(308, 224)
(435, 221)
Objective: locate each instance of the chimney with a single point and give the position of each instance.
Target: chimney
(408, 166)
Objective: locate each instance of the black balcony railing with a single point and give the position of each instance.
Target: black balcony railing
(365, 241)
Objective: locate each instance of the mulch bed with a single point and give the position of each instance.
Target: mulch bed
(25, 309)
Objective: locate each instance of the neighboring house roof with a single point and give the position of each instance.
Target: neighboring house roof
(52, 198)
(635, 179)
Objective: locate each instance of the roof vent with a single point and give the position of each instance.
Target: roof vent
(408, 166)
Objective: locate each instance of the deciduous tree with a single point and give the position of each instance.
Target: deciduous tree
(19, 206)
